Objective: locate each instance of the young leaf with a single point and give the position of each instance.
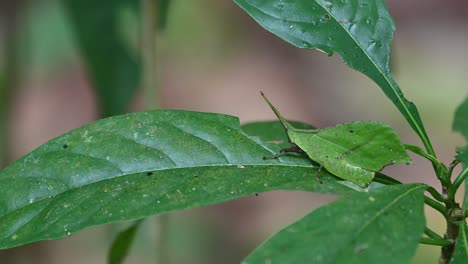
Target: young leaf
(360, 31)
(122, 243)
(383, 226)
(133, 166)
(460, 122)
(114, 72)
(348, 151)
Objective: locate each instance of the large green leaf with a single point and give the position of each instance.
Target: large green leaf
(460, 122)
(114, 72)
(136, 165)
(383, 226)
(360, 31)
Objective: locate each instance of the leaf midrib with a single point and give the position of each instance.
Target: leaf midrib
(400, 99)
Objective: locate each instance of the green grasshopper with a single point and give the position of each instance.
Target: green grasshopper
(352, 151)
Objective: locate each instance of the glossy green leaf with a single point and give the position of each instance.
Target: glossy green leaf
(136, 165)
(351, 151)
(122, 243)
(383, 226)
(460, 122)
(360, 31)
(112, 69)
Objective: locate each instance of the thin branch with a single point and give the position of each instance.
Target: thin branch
(384, 179)
(434, 204)
(149, 53)
(436, 194)
(456, 184)
(435, 242)
(452, 166)
(432, 234)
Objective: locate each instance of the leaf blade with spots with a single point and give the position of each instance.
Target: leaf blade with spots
(361, 228)
(136, 165)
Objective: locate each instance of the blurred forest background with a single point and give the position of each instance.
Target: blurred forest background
(215, 58)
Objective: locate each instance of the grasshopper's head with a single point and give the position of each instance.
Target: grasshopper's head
(286, 124)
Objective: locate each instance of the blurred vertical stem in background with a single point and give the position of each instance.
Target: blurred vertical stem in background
(150, 27)
(9, 71)
(150, 19)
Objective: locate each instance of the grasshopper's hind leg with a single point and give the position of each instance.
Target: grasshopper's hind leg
(317, 175)
(294, 149)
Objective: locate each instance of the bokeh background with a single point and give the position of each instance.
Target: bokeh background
(215, 58)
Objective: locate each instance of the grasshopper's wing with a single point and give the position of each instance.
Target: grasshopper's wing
(353, 151)
(369, 145)
(346, 171)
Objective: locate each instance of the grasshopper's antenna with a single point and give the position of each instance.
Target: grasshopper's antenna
(283, 121)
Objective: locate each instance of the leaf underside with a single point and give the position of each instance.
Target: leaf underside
(136, 165)
(360, 31)
(361, 228)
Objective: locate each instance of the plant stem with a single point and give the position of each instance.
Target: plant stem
(434, 204)
(451, 234)
(453, 222)
(150, 12)
(384, 179)
(452, 190)
(10, 79)
(163, 239)
(436, 194)
(435, 242)
(452, 166)
(149, 53)
(418, 151)
(430, 233)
